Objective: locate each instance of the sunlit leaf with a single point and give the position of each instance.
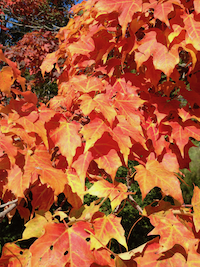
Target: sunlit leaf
(116, 192)
(196, 207)
(154, 174)
(171, 231)
(106, 228)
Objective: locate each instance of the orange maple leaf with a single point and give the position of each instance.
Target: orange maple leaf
(196, 206)
(171, 231)
(116, 192)
(105, 228)
(66, 137)
(154, 174)
(126, 9)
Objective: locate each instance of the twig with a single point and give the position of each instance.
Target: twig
(130, 199)
(8, 203)
(118, 209)
(12, 204)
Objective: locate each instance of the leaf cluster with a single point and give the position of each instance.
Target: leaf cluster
(123, 97)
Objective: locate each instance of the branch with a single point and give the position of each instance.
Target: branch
(131, 200)
(36, 26)
(12, 204)
(8, 203)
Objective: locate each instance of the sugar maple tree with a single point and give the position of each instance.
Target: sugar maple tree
(128, 90)
(27, 34)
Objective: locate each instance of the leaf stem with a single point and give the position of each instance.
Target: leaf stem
(132, 228)
(110, 251)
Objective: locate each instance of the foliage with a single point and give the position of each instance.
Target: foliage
(128, 89)
(28, 33)
(19, 17)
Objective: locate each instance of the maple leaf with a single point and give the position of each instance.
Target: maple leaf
(185, 114)
(35, 227)
(106, 228)
(87, 104)
(77, 185)
(24, 213)
(66, 137)
(164, 59)
(170, 162)
(60, 102)
(104, 106)
(151, 73)
(128, 102)
(154, 174)
(161, 205)
(126, 9)
(81, 165)
(65, 246)
(154, 134)
(197, 6)
(86, 84)
(105, 155)
(146, 48)
(51, 241)
(93, 131)
(4, 164)
(116, 192)
(42, 197)
(48, 63)
(84, 46)
(109, 162)
(127, 106)
(6, 146)
(28, 96)
(6, 80)
(124, 87)
(100, 103)
(65, 88)
(134, 131)
(13, 65)
(84, 213)
(177, 25)
(124, 142)
(162, 10)
(16, 183)
(151, 255)
(192, 30)
(193, 256)
(166, 87)
(39, 163)
(74, 199)
(182, 131)
(171, 231)
(2, 57)
(35, 127)
(196, 206)
(12, 255)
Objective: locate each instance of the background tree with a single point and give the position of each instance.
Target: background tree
(19, 17)
(28, 32)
